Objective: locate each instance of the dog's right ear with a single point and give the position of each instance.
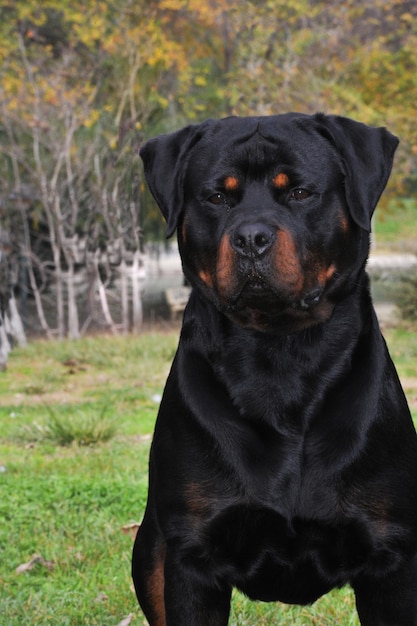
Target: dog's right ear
(165, 158)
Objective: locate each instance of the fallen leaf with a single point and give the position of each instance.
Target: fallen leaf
(102, 597)
(36, 559)
(131, 529)
(126, 621)
(70, 363)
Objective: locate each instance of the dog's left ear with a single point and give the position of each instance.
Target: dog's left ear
(165, 158)
(367, 155)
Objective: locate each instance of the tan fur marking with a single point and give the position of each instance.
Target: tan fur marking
(225, 262)
(231, 183)
(330, 271)
(345, 223)
(325, 274)
(288, 264)
(206, 277)
(156, 585)
(197, 503)
(281, 180)
(184, 232)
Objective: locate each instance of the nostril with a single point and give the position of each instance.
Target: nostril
(240, 242)
(261, 240)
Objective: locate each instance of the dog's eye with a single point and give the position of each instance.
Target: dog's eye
(218, 198)
(300, 194)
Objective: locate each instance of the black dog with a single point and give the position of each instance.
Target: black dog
(284, 460)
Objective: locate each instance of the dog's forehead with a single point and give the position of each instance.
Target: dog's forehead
(257, 144)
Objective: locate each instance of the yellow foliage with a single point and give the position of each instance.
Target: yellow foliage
(158, 56)
(77, 17)
(92, 118)
(173, 5)
(200, 81)
(11, 84)
(206, 57)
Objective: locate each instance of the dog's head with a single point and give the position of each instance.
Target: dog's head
(273, 213)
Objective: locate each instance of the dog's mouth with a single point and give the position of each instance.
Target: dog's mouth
(260, 305)
(256, 287)
(258, 293)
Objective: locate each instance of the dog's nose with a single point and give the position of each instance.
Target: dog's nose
(252, 239)
(311, 298)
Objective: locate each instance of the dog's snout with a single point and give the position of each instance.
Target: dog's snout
(253, 239)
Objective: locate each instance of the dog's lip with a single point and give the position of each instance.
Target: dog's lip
(258, 294)
(256, 290)
(255, 286)
(272, 313)
(256, 283)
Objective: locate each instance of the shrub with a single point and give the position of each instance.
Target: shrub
(407, 297)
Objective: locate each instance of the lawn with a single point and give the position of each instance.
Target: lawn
(76, 421)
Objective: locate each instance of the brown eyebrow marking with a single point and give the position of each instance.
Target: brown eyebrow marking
(231, 183)
(281, 180)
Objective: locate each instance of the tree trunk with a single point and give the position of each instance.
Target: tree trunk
(72, 310)
(4, 344)
(136, 293)
(16, 327)
(125, 297)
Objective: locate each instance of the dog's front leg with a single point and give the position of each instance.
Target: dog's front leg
(390, 600)
(148, 571)
(191, 598)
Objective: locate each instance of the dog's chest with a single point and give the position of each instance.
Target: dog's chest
(279, 387)
(272, 558)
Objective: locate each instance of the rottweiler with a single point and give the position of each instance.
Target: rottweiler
(284, 458)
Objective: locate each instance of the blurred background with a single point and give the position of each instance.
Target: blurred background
(83, 85)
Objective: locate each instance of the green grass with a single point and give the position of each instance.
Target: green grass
(69, 500)
(68, 503)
